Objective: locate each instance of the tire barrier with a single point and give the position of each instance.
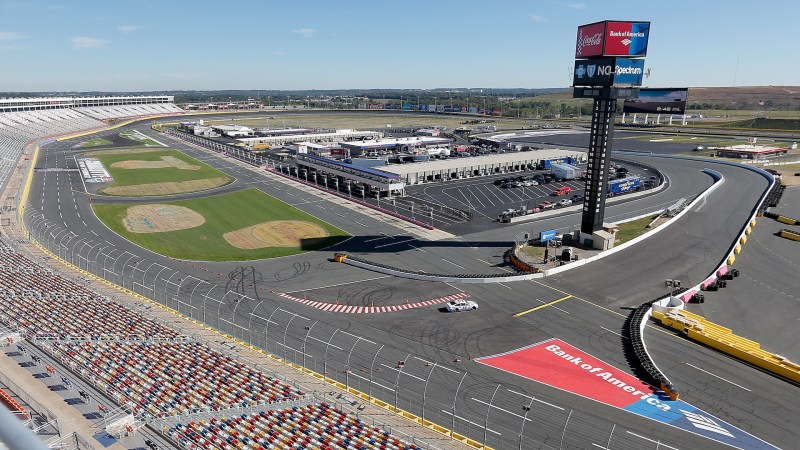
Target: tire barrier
(427, 276)
(635, 345)
(697, 328)
(772, 199)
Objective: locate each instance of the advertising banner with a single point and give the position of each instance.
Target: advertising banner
(626, 38)
(628, 72)
(612, 38)
(558, 364)
(658, 101)
(594, 72)
(590, 40)
(608, 72)
(548, 235)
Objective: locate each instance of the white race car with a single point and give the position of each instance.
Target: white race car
(461, 305)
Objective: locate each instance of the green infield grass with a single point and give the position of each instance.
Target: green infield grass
(96, 142)
(143, 172)
(225, 214)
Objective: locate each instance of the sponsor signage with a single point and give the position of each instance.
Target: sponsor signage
(548, 235)
(590, 40)
(628, 72)
(658, 101)
(612, 38)
(608, 72)
(558, 364)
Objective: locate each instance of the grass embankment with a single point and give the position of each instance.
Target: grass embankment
(633, 229)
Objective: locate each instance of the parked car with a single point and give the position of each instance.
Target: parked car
(565, 202)
(544, 206)
(563, 190)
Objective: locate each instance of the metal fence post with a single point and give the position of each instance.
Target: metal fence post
(565, 430)
(488, 410)
(371, 370)
(325, 360)
(455, 397)
(308, 331)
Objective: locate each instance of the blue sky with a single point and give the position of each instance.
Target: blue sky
(118, 45)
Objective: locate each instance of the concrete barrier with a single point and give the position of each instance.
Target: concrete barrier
(697, 328)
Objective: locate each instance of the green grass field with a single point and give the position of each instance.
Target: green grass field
(96, 142)
(129, 177)
(223, 213)
(633, 229)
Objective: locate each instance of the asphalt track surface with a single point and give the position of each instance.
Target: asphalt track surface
(363, 350)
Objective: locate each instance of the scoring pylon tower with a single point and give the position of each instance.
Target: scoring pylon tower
(609, 65)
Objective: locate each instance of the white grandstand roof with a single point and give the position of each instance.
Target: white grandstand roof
(455, 163)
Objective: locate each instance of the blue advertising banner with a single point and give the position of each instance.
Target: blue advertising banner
(624, 72)
(628, 72)
(547, 235)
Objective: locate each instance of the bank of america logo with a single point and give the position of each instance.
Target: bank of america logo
(626, 42)
(705, 423)
(580, 71)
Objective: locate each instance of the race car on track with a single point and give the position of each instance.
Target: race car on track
(461, 305)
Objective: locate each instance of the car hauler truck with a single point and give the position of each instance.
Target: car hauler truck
(564, 171)
(623, 185)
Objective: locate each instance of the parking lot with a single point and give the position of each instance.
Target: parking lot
(487, 198)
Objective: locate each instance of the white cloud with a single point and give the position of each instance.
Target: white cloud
(11, 36)
(128, 28)
(578, 5)
(88, 42)
(537, 18)
(305, 32)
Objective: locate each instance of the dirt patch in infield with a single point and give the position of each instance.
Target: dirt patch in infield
(158, 218)
(166, 188)
(123, 150)
(166, 161)
(276, 233)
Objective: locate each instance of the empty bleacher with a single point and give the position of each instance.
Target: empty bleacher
(309, 426)
(128, 111)
(161, 376)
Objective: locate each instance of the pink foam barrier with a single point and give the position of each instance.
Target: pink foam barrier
(688, 295)
(709, 281)
(722, 270)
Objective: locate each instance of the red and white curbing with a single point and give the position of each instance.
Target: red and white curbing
(348, 309)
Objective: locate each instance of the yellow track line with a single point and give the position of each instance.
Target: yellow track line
(542, 306)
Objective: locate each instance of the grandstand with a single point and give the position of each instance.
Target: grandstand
(23, 120)
(202, 398)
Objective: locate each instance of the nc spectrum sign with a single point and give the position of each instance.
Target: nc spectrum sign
(608, 72)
